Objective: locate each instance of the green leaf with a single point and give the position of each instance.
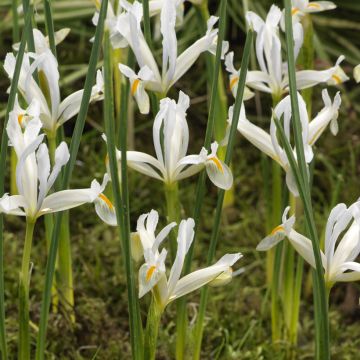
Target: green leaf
(74, 147)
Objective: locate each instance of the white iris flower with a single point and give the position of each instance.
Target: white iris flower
(174, 66)
(272, 77)
(171, 163)
(35, 178)
(342, 243)
(311, 131)
(152, 274)
(53, 111)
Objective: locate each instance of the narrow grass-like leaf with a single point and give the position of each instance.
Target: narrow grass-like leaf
(125, 93)
(3, 149)
(74, 147)
(200, 188)
(147, 29)
(121, 200)
(49, 23)
(15, 16)
(322, 309)
(30, 35)
(320, 299)
(219, 205)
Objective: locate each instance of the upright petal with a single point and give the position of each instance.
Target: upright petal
(169, 42)
(328, 114)
(190, 55)
(43, 163)
(62, 157)
(184, 240)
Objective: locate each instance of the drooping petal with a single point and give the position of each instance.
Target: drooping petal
(219, 173)
(309, 78)
(13, 205)
(145, 164)
(353, 275)
(317, 6)
(199, 278)
(68, 199)
(105, 210)
(257, 136)
(149, 276)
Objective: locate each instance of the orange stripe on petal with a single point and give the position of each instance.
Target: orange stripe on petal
(150, 272)
(20, 119)
(337, 79)
(314, 5)
(233, 82)
(106, 201)
(277, 229)
(134, 86)
(217, 162)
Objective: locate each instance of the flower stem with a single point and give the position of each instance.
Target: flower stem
(274, 257)
(24, 333)
(173, 212)
(152, 330)
(63, 286)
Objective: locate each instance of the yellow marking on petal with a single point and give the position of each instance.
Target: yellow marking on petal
(150, 272)
(217, 162)
(294, 11)
(337, 79)
(311, 142)
(134, 86)
(20, 119)
(233, 82)
(277, 229)
(97, 4)
(314, 5)
(106, 201)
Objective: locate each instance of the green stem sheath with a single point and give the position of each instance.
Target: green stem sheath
(174, 215)
(274, 257)
(24, 333)
(173, 212)
(152, 330)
